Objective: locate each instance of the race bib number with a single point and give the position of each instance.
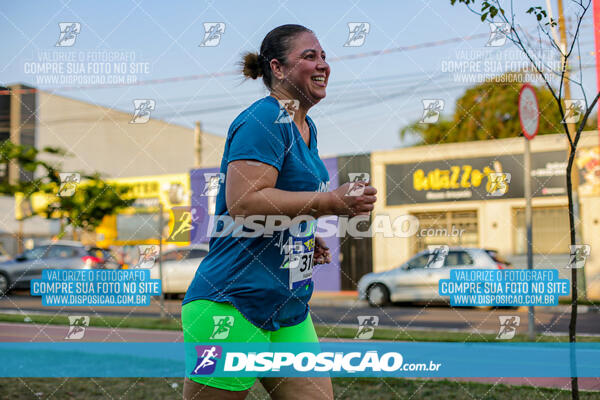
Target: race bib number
(301, 274)
(298, 260)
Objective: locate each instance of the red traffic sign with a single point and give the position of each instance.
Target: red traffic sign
(529, 111)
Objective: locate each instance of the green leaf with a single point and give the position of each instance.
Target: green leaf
(483, 16)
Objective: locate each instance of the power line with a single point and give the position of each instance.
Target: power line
(374, 53)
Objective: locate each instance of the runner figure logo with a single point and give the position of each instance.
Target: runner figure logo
(148, 256)
(358, 34)
(579, 254)
(508, 326)
(574, 109)
(68, 33)
(292, 252)
(499, 32)
(366, 326)
(431, 110)
(287, 109)
(68, 183)
(223, 324)
(498, 183)
(212, 34)
(437, 255)
(142, 110)
(77, 325)
(212, 183)
(207, 359)
(358, 181)
(184, 219)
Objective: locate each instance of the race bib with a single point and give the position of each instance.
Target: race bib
(298, 254)
(301, 262)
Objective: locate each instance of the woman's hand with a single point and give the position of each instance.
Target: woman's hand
(322, 254)
(353, 198)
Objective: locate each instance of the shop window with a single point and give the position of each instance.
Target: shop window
(550, 230)
(452, 228)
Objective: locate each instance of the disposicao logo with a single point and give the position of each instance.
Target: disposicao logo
(207, 359)
(320, 362)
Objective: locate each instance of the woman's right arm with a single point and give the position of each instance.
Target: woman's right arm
(250, 190)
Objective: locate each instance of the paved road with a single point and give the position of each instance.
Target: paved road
(344, 312)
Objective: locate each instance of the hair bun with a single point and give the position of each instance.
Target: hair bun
(251, 65)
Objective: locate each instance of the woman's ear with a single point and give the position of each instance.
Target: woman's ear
(277, 69)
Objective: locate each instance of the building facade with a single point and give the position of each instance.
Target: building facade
(444, 187)
(98, 139)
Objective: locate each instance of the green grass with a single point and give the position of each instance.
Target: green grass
(323, 331)
(343, 388)
(104, 321)
(437, 336)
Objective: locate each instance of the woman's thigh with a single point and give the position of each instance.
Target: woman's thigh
(298, 387)
(205, 321)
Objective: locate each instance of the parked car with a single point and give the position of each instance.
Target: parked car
(17, 273)
(417, 279)
(179, 266)
(101, 258)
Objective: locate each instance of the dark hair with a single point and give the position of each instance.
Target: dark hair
(276, 45)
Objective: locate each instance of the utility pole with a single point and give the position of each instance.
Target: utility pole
(596, 18)
(562, 27)
(529, 117)
(528, 224)
(198, 145)
(13, 174)
(160, 264)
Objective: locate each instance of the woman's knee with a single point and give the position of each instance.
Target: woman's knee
(197, 391)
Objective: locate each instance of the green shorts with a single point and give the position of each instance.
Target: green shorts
(198, 327)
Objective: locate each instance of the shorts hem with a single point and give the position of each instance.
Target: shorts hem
(234, 304)
(213, 382)
(222, 301)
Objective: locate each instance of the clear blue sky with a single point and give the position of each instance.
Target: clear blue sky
(369, 98)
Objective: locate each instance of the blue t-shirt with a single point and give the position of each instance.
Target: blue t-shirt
(267, 278)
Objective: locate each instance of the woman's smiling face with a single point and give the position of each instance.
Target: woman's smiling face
(306, 72)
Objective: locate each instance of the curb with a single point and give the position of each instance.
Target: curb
(344, 301)
(581, 309)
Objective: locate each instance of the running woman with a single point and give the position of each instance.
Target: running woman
(261, 285)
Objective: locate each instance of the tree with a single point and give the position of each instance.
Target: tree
(89, 203)
(488, 111)
(27, 158)
(492, 11)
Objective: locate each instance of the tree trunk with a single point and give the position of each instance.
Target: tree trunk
(574, 295)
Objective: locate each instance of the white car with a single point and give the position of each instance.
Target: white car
(179, 266)
(417, 279)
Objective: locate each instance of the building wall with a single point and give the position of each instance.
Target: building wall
(495, 217)
(102, 139)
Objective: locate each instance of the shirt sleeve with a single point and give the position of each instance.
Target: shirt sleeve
(257, 141)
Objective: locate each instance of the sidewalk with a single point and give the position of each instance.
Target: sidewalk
(588, 384)
(349, 298)
(342, 298)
